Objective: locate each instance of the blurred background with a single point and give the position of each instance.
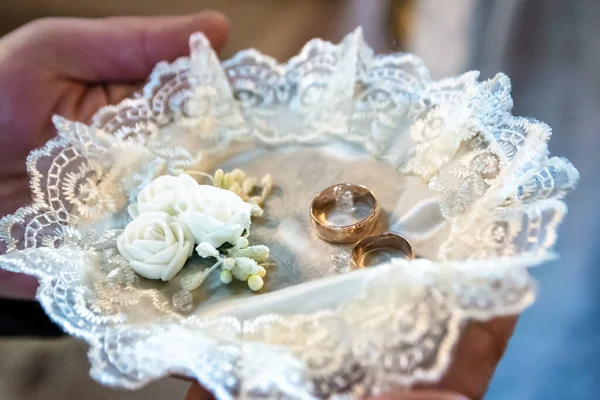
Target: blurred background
(551, 51)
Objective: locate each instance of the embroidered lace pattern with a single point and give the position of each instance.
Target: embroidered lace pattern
(496, 183)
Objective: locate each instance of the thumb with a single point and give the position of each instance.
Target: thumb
(17, 286)
(112, 49)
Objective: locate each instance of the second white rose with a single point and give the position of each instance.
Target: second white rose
(166, 194)
(216, 216)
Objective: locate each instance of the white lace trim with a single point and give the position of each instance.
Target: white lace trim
(497, 185)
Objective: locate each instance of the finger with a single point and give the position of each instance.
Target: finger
(421, 395)
(112, 49)
(17, 286)
(478, 352)
(197, 392)
(14, 186)
(84, 100)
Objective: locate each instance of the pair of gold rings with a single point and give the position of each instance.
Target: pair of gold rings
(348, 213)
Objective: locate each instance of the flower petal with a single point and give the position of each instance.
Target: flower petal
(132, 210)
(121, 246)
(187, 233)
(137, 253)
(154, 233)
(165, 256)
(218, 209)
(242, 217)
(177, 262)
(186, 182)
(177, 230)
(228, 234)
(169, 237)
(151, 246)
(200, 224)
(150, 271)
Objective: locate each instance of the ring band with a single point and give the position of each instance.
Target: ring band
(345, 232)
(381, 243)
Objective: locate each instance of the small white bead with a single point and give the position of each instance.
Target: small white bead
(238, 175)
(218, 178)
(262, 272)
(248, 185)
(266, 181)
(255, 283)
(226, 276)
(242, 243)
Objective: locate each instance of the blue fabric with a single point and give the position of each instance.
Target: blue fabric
(553, 59)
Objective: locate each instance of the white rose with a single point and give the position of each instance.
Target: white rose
(156, 245)
(216, 216)
(166, 193)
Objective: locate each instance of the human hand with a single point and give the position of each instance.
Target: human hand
(476, 356)
(72, 67)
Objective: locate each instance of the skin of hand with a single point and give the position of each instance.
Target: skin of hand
(72, 67)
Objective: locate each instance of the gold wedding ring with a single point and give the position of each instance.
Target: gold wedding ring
(336, 225)
(379, 248)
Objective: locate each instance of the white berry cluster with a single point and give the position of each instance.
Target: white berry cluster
(243, 185)
(242, 262)
(172, 213)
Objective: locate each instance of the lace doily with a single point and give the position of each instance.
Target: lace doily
(497, 192)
